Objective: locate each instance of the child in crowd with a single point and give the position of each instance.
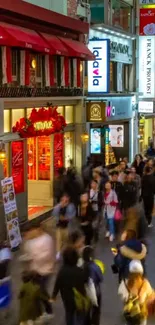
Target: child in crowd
(136, 293)
(31, 299)
(110, 204)
(95, 270)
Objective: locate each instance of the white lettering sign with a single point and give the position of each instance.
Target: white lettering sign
(98, 70)
(145, 107)
(147, 66)
(146, 2)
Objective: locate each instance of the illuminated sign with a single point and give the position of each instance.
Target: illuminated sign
(43, 125)
(147, 66)
(110, 111)
(145, 107)
(99, 69)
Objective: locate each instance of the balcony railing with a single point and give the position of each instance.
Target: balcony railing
(16, 92)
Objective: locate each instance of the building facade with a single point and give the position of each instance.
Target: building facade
(111, 77)
(41, 67)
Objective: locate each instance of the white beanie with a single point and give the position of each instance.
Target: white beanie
(135, 266)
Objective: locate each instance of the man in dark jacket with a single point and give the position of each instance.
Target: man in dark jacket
(70, 281)
(129, 198)
(148, 191)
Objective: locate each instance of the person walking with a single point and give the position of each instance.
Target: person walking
(129, 197)
(86, 218)
(110, 204)
(64, 213)
(96, 201)
(148, 191)
(139, 165)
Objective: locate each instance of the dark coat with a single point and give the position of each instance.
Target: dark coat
(129, 197)
(148, 186)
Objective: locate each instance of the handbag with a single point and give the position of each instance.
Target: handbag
(91, 292)
(118, 215)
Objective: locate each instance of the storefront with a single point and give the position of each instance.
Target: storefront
(34, 160)
(111, 128)
(146, 125)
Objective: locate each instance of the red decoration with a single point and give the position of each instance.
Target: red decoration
(58, 152)
(18, 166)
(49, 120)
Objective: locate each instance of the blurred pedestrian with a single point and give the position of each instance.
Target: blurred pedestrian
(110, 204)
(135, 292)
(64, 213)
(59, 185)
(117, 186)
(5, 282)
(129, 197)
(148, 191)
(122, 168)
(38, 254)
(86, 218)
(135, 220)
(139, 164)
(96, 200)
(70, 282)
(137, 179)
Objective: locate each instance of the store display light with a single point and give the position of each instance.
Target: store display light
(85, 137)
(2, 152)
(33, 63)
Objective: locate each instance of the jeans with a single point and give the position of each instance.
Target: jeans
(111, 226)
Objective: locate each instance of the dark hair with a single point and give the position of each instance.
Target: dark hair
(88, 254)
(70, 256)
(147, 170)
(74, 236)
(61, 171)
(114, 172)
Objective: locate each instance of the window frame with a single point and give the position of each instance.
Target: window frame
(14, 55)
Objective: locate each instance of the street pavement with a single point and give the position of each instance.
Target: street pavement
(111, 305)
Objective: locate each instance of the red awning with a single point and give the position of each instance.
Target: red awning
(55, 44)
(11, 35)
(77, 49)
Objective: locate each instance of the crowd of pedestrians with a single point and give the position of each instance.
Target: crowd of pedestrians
(116, 203)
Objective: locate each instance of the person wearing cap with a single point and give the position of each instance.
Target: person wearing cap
(138, 286)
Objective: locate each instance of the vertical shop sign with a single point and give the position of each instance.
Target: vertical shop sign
(99, 69)
(18, 166)
(58, 152)
(11, 213)
(147, 21)
(147, 66)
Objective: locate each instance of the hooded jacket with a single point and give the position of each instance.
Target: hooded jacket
(130, 250)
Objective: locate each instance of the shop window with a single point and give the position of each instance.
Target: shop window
(69, 114)
(29, 110)
(17, 114)
(14, 65)
(69, 140)
(121, 14)
(44, 155)
(31, 150)
(60, 110)
(6, 120)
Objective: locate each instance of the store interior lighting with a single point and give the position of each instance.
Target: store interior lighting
(105, 30)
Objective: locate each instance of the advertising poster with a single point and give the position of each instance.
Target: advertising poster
(95, 141)
(18, 166)
(116, 136)
(58, 152)
(11, 213)
(147, 21)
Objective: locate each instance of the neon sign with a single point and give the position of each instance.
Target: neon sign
(43, 125)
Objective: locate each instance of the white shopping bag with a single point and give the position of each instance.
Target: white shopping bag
(91, 292)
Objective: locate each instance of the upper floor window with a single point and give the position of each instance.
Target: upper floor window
(122, 14)
(14, 65)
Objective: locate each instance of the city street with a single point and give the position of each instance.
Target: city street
(111, 310)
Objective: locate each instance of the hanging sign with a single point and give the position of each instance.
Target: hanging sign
(147, 21)
(11, 213)
(44, 121)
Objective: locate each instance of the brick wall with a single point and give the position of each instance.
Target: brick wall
(72, 8)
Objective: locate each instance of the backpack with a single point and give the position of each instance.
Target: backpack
(133, 311)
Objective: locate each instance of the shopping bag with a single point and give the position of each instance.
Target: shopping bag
(118, 215)
(91, 292)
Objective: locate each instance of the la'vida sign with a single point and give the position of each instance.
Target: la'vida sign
(147, 66)
(98, 70)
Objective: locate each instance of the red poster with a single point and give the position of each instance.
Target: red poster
(18, 166)
(58, 152)
(147, 22)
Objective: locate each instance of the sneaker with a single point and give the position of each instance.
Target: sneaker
(107, 234)
(111, 238)
(150, 225)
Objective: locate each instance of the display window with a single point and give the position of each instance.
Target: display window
(31, 149)
(69, 149)
(58, 152)
(17, 114)
(69, 114)
(18, 166)
(44, 155)
(6, 120)
(60, 110)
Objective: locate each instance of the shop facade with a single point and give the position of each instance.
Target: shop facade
(146, 125)
(111, 121)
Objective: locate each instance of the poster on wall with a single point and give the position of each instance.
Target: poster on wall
(95, 141)
(147, 21)
(11, 213)
(58, 152)
(18, 166)
(116, 136)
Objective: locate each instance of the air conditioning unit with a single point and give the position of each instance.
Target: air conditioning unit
(83, 10)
